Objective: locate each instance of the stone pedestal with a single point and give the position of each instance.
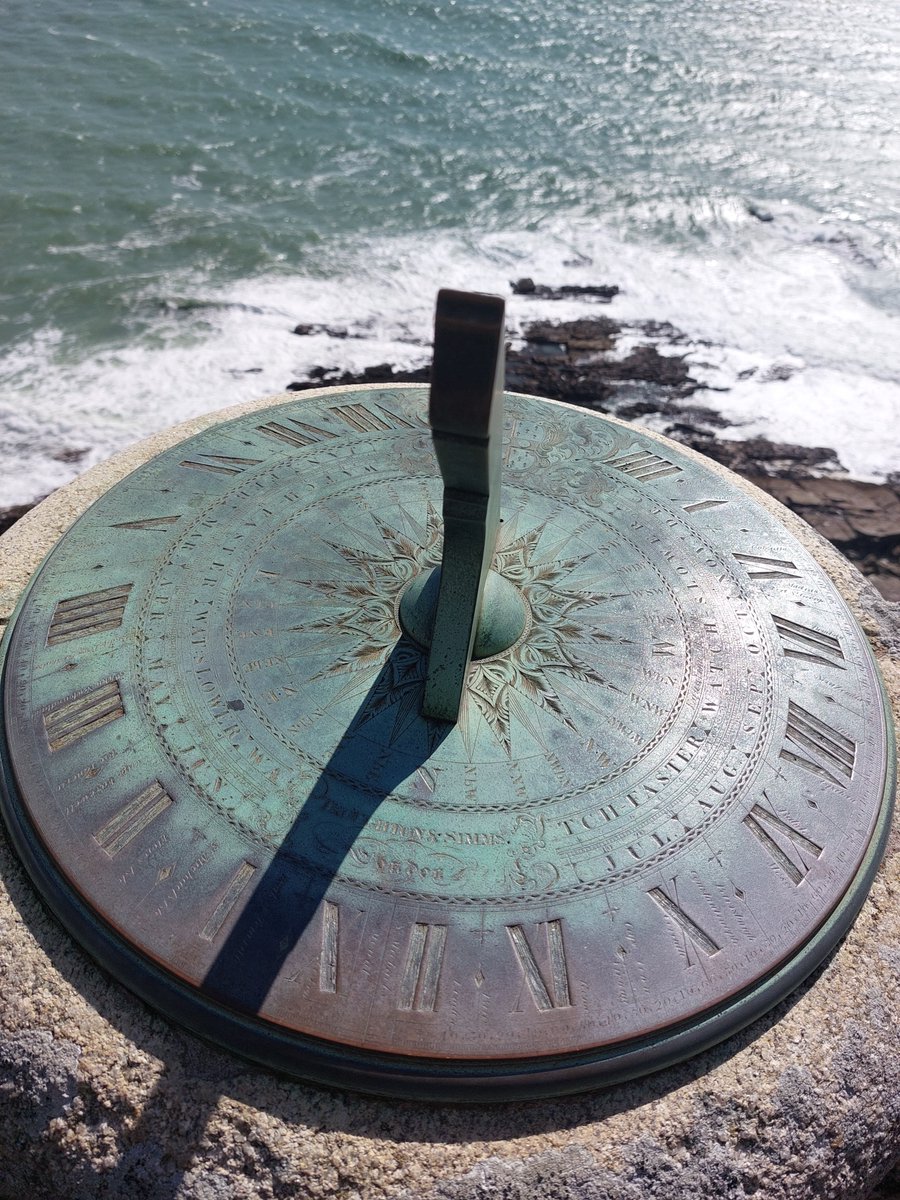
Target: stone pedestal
(101, 1098)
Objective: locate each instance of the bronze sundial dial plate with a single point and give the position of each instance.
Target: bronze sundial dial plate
(658, 811)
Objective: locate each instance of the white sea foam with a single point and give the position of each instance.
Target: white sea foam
(771, 314)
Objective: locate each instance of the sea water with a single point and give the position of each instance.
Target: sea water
(182, 182)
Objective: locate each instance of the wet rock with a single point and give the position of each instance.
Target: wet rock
(527, 287)
(861, 519)
(12, 513)
(334, 331)
(761, 214)
(381, 373)
(756, 457)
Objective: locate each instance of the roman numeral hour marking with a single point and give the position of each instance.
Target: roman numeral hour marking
(69, 722)
(799, 641)
(132, 819)
(759, 567)
(220, 464)
(424, 958)
(686, 924)
(643, 465)
(90, 613)
(763, 824)
(557, 994)
(813, 744)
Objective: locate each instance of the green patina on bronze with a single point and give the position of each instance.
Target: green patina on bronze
(660, 805)
(444, 611)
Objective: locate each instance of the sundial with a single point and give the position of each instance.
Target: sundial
(504, 752)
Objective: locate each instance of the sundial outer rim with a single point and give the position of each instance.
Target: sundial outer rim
(474, 1082)
(571, 1078)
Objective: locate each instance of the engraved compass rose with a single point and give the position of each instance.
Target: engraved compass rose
(361, 626)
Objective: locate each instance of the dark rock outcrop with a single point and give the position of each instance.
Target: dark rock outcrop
(579, 362)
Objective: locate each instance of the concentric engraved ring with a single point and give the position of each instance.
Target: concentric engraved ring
(660, 808)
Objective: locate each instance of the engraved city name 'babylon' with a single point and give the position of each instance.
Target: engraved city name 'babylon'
(69, 722)
(92, 612)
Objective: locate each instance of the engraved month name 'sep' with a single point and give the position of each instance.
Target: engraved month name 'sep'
(450, 744)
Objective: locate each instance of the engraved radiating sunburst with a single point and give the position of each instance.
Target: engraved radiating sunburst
(533, 676)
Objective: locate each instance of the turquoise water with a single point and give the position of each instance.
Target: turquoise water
(183, 182)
